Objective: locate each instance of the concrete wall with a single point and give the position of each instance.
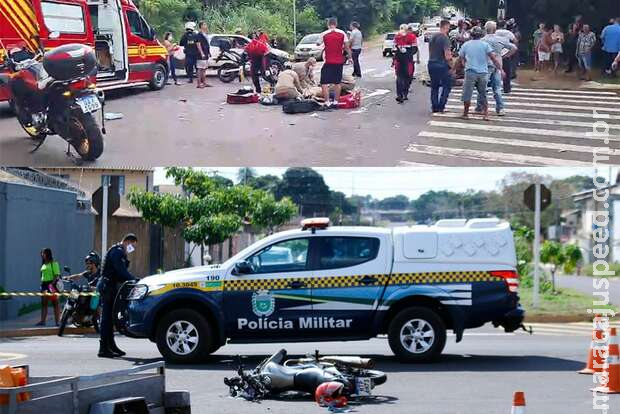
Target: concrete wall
(33, 218)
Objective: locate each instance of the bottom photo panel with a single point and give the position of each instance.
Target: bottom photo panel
(372, 290)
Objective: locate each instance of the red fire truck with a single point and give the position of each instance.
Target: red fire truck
(128, 53)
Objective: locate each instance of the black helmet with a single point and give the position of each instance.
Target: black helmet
(94, 258)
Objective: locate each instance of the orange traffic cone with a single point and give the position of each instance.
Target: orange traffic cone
(518, 403)
(595, 361)
(613, 370)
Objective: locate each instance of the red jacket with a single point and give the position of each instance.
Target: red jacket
(257, 48)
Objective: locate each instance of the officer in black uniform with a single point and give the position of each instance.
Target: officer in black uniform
(113, 274)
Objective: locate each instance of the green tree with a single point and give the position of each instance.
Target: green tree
(308, 190)
(211, 210)
(559, 256)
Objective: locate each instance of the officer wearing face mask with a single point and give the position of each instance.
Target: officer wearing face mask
(113, 274)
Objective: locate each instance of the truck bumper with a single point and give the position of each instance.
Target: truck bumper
(512, 320)
(137, 313)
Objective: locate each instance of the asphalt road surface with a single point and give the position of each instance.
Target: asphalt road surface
(185, 126)
(478, 375)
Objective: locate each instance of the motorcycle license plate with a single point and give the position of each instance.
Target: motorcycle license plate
(89, 103)
(363, 386)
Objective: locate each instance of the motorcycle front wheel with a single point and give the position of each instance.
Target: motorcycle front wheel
(86, 137)
(97, 320)
(64, 319)
(377, 377)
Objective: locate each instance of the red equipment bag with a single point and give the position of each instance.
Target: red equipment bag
(246, 98)
(350, 101)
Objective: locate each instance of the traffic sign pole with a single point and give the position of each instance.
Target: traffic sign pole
(535, 298)
(104, 215)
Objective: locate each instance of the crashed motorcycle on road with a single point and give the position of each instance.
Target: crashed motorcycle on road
(278, 374)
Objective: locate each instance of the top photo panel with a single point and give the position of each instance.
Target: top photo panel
(108, 83)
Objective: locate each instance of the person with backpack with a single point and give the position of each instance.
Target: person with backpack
(256, 51)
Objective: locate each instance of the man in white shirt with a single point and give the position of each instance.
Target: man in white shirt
(356, 41)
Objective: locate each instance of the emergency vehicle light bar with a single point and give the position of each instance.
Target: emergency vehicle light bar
(320, 223)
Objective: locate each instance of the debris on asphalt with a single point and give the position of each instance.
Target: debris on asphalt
(182, 99)
(111, 116)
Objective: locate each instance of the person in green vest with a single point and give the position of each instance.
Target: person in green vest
(50, 272)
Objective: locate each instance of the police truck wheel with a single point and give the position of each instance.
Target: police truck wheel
(160, 77)
(184, 336)
(417, 334)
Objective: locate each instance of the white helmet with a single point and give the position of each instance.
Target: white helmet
(190, 26)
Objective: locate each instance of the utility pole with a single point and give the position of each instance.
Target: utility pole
(105, 185)
(294, 24)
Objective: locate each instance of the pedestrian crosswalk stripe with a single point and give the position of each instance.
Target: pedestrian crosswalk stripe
(579, 92)
(511, 98)
(516, 130)
(588, 115)
(512, 158)
(555, 95)
(547, 122)
(578, 107)
(512, 142)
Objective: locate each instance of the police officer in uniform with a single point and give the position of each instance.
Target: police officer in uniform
(113, 274)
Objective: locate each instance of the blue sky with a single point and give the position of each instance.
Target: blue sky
(412, 182)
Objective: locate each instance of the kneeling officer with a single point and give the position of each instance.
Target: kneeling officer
(113, 274)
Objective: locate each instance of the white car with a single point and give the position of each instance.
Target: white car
(388, 44)
(309, 47)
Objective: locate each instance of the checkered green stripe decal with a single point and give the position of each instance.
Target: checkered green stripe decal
(354, 280)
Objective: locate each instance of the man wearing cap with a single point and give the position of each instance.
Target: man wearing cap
(114, 273)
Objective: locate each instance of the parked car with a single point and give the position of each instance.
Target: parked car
(237, 42)
(322, 283)
(388, 44)
(309, 47)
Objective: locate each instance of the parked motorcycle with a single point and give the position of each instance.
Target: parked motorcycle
(234, 64)
(83, 311)
(55, 93)
(277, 374)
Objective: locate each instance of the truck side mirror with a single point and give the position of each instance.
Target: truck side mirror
(243, 268)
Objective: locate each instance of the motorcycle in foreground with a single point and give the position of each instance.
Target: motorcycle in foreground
(277, 374)
(83, 311)
(235, 65)
(55, 93)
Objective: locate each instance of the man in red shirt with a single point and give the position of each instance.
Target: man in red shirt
(256, 51)
(336, 45)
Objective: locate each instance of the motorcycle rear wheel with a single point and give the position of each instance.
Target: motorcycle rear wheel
(226, 73)
(89, 145)
(377, 377)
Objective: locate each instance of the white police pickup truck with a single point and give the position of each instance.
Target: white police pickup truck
(322, 283)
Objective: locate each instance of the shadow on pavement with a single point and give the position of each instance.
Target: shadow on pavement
(447, 363)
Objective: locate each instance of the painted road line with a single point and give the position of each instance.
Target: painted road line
(510, 98)
(582, 94)
(512, 142)
(568, 95)
(535, 105)
(403, 163)
(532, 121)
(517, 130)
(518, 159)
(8, 356)
(547, 113)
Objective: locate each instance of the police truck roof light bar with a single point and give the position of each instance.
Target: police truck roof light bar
(313, 224)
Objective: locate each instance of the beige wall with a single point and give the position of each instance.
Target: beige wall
(89, 179)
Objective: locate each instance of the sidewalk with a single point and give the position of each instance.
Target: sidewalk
(529, 78)
(26, 326)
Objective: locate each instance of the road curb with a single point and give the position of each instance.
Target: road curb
(28, 332)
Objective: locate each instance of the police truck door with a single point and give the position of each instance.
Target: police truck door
(350, 275)
(267, 294)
